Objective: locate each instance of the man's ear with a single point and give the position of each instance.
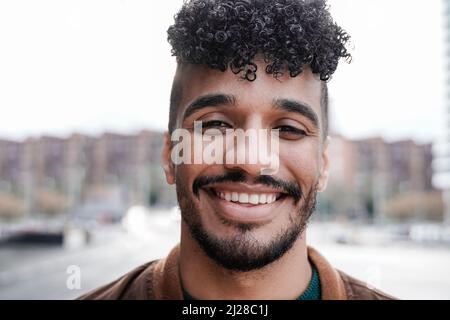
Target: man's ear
(166, 159)
(325, 166)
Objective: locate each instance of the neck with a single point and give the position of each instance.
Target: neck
(203, 278)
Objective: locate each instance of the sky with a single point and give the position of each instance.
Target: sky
(91, 66)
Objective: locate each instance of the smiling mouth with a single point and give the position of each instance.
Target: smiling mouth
(237, 204)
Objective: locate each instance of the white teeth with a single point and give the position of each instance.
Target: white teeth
(262, 198)
(243, 198)
(253, 199)
(247, 198)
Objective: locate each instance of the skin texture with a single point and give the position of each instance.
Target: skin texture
(303, 160)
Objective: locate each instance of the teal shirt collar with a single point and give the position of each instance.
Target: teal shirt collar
(312, 292)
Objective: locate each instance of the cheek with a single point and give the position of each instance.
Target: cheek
(186, 174)
(301, 161)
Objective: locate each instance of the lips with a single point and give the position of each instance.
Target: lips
(244, 203)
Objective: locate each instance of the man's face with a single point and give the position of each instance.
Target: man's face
(244, 220)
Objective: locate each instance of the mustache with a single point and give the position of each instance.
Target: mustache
(290, 188)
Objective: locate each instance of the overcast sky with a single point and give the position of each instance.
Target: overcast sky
(93, 65)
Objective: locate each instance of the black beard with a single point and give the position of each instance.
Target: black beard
(243, 252)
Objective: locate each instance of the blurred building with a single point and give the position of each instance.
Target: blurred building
(9, 165)
(11, 203)
(370, 179)
(441, 163)
(375, 180)
(82, 175)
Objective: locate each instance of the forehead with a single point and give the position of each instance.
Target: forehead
(198, 80)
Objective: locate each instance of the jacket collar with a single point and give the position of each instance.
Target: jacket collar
(331, 283)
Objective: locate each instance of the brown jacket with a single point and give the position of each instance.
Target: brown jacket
(159, 280)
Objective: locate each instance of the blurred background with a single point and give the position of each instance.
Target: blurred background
(84, 96)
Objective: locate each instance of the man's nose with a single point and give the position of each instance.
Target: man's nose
(251, 150)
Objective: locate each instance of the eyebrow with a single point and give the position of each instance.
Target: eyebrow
(298, 107)
(209, 100)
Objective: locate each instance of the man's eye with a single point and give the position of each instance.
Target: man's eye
(215, 124)
(289, 132)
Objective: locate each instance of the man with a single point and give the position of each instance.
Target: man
(247, 65)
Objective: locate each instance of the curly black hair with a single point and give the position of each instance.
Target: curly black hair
(287, 34)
